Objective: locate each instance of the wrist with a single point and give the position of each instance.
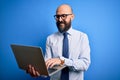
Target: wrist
(62, 62)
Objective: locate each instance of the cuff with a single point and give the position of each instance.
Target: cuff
(67, 61)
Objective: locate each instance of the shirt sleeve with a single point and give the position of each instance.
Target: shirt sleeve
(48, 50)
(83, 61)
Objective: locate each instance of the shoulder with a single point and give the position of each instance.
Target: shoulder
(80, 36)
(78, 33)
(54, 36)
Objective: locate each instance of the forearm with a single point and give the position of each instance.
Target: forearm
(77, 64)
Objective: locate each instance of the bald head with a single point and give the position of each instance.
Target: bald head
(64, 16)
(64, 9)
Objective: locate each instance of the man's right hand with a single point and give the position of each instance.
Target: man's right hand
(31, 70)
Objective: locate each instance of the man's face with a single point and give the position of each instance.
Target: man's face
(63, 25)
(63, 18)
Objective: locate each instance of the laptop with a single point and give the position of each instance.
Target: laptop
(33, 55)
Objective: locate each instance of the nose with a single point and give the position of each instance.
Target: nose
(60, 19)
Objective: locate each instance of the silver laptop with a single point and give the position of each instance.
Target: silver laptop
(26, 55)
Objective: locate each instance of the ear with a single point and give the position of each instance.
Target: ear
(72, 16)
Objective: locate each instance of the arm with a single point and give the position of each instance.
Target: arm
(50, 61)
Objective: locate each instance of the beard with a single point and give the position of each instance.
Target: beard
(63, 26)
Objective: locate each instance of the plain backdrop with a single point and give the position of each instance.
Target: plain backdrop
(29, 22)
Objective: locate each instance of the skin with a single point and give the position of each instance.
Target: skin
(63, 9)
(64, 25)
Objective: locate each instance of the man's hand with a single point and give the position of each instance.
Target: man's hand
(31, 70)
(53, 61)
(49, 63)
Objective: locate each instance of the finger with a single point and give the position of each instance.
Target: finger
(27, 69)
(33, 70)
(56, 62)
(37, 73)
(50, 63)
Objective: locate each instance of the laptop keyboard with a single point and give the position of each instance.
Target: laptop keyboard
(50, 70)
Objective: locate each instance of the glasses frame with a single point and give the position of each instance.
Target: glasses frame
(62, 16)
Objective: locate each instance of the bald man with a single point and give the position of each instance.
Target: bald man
(77, 55)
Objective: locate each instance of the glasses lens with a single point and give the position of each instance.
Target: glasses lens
(63, 16)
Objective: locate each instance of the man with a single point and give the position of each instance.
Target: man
(77, 55)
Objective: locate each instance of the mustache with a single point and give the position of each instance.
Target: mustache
(60, 22)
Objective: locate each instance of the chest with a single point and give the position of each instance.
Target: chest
(74, 47)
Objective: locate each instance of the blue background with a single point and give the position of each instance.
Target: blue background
(29, 22)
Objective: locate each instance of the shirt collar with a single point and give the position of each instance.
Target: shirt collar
(70, 31)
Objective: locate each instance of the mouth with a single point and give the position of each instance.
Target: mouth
(61, 25)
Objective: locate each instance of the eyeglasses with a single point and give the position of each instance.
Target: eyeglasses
(63, 16)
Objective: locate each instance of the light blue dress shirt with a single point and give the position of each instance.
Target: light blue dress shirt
(79, 53)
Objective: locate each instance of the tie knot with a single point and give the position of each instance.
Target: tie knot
(65, 34)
